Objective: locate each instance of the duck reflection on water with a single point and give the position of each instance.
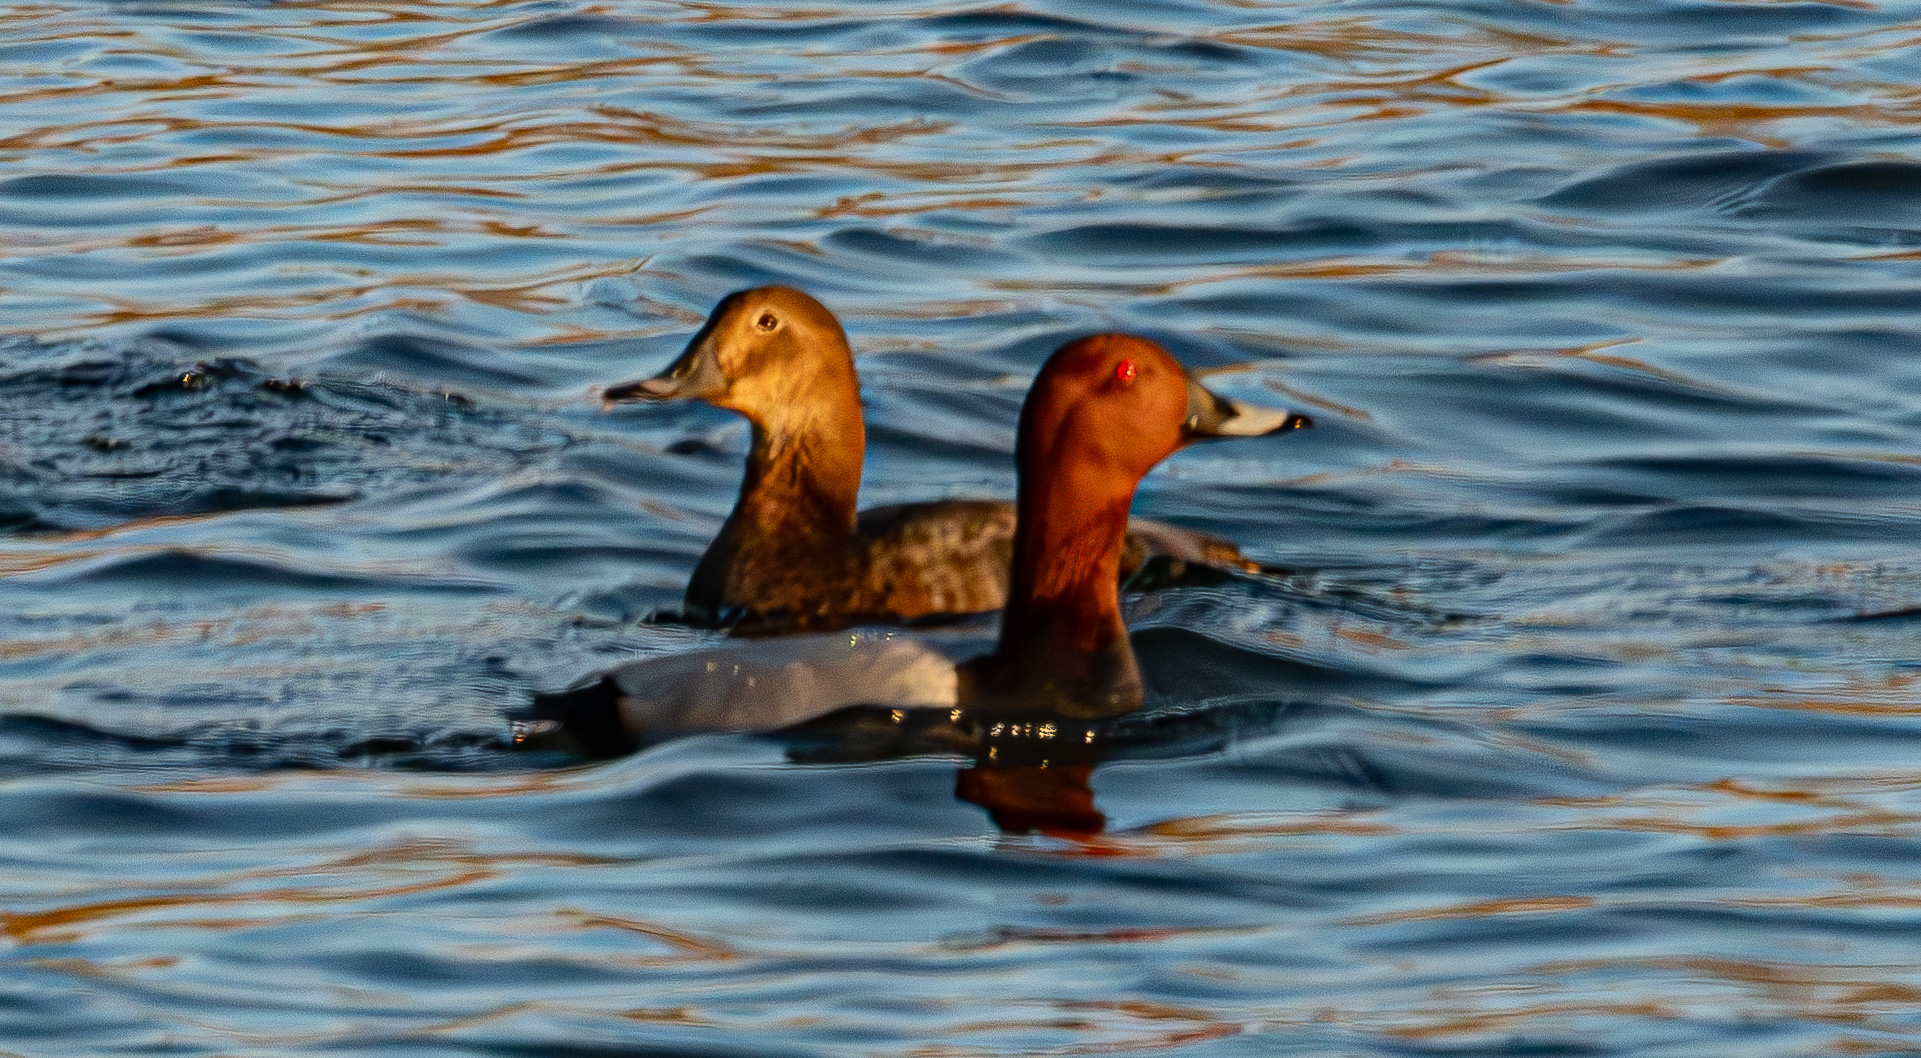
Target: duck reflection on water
(1032, 776)
(1101, 413)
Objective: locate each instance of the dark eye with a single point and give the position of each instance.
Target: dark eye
(767, 322)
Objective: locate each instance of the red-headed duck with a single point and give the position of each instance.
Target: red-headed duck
(1102, 412)
(795, 554)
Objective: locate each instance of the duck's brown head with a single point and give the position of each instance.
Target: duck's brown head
(763, 353)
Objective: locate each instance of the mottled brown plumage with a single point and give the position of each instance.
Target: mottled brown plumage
(795, 554)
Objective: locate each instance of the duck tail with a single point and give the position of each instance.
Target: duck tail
(585, 721)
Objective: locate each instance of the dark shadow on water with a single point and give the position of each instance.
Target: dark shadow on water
(34, 745)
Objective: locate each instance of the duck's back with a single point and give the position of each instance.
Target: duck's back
(905, 561)
(953, 556)
(941, 557)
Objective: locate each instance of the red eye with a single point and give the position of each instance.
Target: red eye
(1125, 372)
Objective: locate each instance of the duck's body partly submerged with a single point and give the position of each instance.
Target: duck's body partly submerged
(770, 684)
(795, 554)
(1102, 412)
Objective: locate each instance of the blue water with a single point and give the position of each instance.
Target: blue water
(1580, 716)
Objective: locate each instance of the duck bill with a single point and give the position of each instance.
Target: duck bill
(695, 376)
(1211, 415)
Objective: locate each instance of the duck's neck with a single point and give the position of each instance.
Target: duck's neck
(797, 502)
(803, 477)
(1063, 646)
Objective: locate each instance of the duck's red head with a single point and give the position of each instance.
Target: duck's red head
(1102, 412)
(1106, 408)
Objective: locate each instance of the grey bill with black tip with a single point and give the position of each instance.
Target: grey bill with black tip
(696, 375)
(1211, 415)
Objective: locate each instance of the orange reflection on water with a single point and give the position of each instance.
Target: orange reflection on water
(1538, 905)
(1811, 806)
(1230, 833)
(248, 626)
(1858, 996)
(423, 867)
(1101, 1026)
(1448, 1019)
(1750, 121)
(510, 785)
(1884, 694)
(1057, 801)
(683, 942)
(1360, 38)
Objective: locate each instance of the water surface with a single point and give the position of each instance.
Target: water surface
(1582, 721)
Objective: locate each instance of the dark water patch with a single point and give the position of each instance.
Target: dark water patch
(1694, 29)
(1902, 613)
(1709, 525)
(1085, 68)
(1373, 518)
(1060, 66)
(96, 438)
(1778, 477)
(569, 27)
(563, 525)
(1614, 399)
(1722, 182)
(1374, 759)
(184, 573)
(1885, 193)
(916, 438)
(86, 186)
(1756, 299)
(42, 745)
(39, 745)
(1187, 245)
(1752, 741)
(1372, 312)
(1194, 667)
(1796, 189)
(435, 362)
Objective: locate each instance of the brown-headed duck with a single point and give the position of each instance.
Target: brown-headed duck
(1103, 411)
(795, 553)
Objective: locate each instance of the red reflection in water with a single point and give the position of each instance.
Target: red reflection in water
(1056, 801)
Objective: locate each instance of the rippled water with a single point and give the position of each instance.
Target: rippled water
(1586, 721)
